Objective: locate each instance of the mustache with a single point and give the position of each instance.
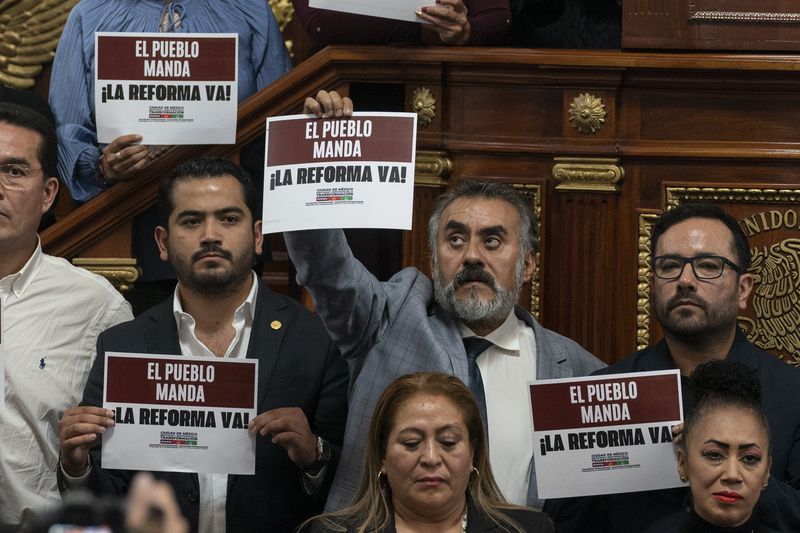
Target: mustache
(212, 249)
(473, 273)
(684, 296)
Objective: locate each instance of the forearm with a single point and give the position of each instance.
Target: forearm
(348, 298)
(490, 22)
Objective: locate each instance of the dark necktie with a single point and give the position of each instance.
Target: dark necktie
(474, 347)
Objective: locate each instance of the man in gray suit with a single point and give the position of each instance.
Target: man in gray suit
(484, 238)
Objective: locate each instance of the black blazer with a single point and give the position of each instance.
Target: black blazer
(298, 367)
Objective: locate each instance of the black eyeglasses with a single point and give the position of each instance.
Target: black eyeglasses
(703, 266)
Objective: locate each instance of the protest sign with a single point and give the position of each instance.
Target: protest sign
(606, 434)
(180, 414)
(390, 9)
(168, 88)
(352, 172)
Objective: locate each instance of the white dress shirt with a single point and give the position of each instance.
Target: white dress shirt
(214, 487)
(51, 314)
(506, 368)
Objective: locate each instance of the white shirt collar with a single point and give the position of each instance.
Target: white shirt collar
(20, 280)
(506, 336)
(246, 309)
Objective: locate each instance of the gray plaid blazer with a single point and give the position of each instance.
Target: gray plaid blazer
(387, 329)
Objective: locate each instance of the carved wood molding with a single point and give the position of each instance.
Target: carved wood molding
(122, 273)
(533, 193)
(745, 16)
(587, 113)
(588, 174)
(423, 103)
(643, 289)
(432, 168)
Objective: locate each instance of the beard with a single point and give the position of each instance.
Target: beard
(216, 280)
(701, 326)
(472, 310)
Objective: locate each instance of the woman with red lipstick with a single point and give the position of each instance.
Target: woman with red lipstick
(724, 453)
(427, 468)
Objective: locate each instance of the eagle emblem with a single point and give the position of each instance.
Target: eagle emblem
(776, 299)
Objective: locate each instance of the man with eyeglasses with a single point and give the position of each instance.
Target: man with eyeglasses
(700, 283)
(50, 311)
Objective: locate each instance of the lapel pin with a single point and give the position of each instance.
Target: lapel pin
(275, 324)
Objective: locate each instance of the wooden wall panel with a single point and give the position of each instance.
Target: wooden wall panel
(711, 24)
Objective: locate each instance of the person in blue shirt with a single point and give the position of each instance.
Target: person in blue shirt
(87, 167)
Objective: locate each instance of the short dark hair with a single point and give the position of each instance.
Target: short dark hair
(201, 169)
(704, 210)
(26, 110)
(724, 384)
(528, 229)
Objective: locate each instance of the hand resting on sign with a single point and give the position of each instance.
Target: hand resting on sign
(288, 426)
(78, 430)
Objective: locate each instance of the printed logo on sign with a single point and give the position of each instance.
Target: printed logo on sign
(337, 195)
(166, 112)
(610, 461)
(178, 439)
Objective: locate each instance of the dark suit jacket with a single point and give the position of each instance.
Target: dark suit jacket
(298, 367)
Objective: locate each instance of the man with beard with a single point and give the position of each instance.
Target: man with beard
(210, 235)
(700, 282)
(483, 237)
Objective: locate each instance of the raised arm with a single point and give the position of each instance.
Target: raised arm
(350, 300)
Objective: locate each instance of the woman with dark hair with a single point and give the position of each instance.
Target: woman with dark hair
(427, 468)
(724, 453)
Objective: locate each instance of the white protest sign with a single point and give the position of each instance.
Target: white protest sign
(606, 434)
(353, 172)
(168, 88)
(390, 9)
(180, 414)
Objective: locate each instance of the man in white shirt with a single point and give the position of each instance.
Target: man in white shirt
(51, 314)
(210, 234)
(484, 238)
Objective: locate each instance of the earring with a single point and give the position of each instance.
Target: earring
(380, 475)
(764, 486)
(475, 470)
(683, 477)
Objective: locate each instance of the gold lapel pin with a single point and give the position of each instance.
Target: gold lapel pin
(275, 324)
